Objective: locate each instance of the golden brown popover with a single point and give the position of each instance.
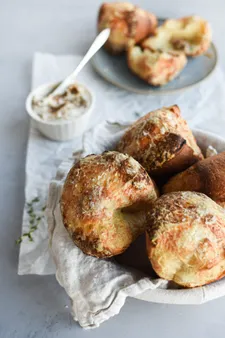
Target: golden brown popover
(154, 67)
(191, 35)
(129, 24)
(162, 142)
(206, 176)
(186, 238)
(104, 203)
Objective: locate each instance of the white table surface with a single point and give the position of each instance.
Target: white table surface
(35, 306)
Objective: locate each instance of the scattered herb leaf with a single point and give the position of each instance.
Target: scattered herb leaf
(35, 200)
(19, 240)
(137, 114)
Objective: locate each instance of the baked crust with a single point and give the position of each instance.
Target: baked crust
(129, 24)
(186, 238)
(162, 142)
(104, 203)
(156, 68)
(191, 35)
(206, 176)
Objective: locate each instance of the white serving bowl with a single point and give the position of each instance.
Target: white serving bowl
(171, 294)
(59, 130)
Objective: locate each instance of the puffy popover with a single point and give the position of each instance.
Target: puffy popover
(162, 142)
(129, 24)
(104, 203)
(206, 176)
(186, 238)
(154, 67)
(191, 35)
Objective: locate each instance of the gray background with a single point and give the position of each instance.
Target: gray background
(35, 306)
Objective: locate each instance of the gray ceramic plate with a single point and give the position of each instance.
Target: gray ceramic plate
(114, 69)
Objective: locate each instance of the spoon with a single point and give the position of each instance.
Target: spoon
(96, 45)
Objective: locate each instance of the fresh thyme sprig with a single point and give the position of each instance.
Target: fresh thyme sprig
(34, 220)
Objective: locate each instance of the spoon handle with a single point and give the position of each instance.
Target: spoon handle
(96, 45)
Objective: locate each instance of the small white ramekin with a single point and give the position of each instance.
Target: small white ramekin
(60, 130)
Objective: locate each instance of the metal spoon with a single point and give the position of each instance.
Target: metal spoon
(96, 45)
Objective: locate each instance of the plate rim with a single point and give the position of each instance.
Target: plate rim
(151, 91)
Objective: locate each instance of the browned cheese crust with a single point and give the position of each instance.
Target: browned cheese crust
(156, 68)
(186, 238)
(191, 35)
(129, 24)
(105, 201)
(206, 176)
(162, 142)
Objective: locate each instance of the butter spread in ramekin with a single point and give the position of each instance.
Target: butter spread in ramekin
(66, 106)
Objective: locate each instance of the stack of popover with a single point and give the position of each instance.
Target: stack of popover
(108, 200)
(155, 54)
